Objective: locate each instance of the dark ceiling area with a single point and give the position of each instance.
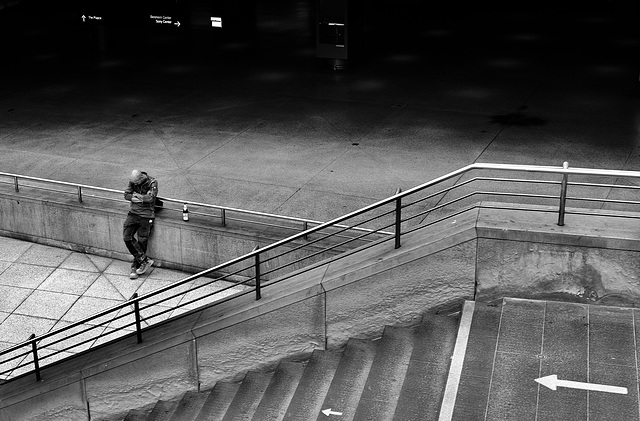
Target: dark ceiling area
(273, 29)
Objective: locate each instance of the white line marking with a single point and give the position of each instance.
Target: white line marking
(553, 383)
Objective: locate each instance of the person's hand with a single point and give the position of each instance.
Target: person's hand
(136, 198)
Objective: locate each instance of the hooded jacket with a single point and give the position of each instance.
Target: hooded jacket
(148, 190)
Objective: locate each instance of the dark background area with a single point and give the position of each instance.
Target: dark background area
(276, 27)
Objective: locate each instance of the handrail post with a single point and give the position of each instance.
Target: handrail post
(398, 219)
(257, 264)
(305, 226)
(563, 195)
(15, 184)
(136, 309)
(79, 194)
(36, 363)
(223, 217)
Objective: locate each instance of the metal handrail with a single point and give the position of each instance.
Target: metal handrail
(224, 210)
(259, 257)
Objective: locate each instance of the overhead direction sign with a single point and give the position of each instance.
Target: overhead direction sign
(552, 382)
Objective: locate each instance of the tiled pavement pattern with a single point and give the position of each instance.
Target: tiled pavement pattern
(45, 288)
(514, 342)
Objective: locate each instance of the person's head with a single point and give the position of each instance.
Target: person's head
(137, 177)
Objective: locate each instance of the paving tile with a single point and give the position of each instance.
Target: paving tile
(103, 288)
(478, 360)
(167, 274)
(46, 304)
(11, 249)
(566, 331)
(4, 265)
(18, 327)
(68, 281)
(609, 406)
(88, 306)
(101, 263)
(521, 327)
(118, 267)
(514, 392)
(123, 284)
(563, 404)
(42, 255)
(24, 275)
(79, 261)
(10, 360)
(125, 318)
(611, 336)
(151, 285)
(486, 320)
(11, 298)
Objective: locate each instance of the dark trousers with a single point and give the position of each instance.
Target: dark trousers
(137, 226)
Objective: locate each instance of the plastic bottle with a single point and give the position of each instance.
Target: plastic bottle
(185, 213)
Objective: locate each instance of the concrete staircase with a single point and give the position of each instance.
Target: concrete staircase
(399, 376)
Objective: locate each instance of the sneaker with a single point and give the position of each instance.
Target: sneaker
(144, 266)
(134, 268)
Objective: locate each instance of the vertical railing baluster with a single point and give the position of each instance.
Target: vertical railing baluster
(563, 195)
(136, 309)
(223, 217)
(398, 219)
(258, 293)
(36, 362)
(305, 226)
(79, 194)
(15, 184)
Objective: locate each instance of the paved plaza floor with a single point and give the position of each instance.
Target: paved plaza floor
(45, 288)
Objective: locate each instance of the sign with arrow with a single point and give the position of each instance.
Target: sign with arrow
(328, 412)
(552, 382)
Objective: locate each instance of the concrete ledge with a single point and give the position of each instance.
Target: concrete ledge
(490, 251)
(95, 227)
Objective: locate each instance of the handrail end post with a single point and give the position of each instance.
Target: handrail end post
(563, 195)
(36, 362)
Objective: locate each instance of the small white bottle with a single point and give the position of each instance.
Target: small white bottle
(185, 213)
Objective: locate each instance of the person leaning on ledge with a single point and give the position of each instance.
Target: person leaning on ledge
(141, 192)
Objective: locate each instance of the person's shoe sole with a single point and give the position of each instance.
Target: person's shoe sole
(133, 275)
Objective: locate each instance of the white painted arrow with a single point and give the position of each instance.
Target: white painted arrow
(328, 412)
(553, 383)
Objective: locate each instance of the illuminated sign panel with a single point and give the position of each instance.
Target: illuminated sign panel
(216, 22)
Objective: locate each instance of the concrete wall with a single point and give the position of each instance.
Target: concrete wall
(592, 258)
(485, 253)
(95, 227)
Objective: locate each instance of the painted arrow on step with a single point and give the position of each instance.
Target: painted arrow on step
(553, 383)
(328, 412)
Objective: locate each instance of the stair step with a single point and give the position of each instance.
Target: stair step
(162, 411)
(189, 406)
(426, 379)
(248, 396)
(136, 415)
(218, 401)
(349, 379)
(385, 379)
(278, 395)
(307, 400)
